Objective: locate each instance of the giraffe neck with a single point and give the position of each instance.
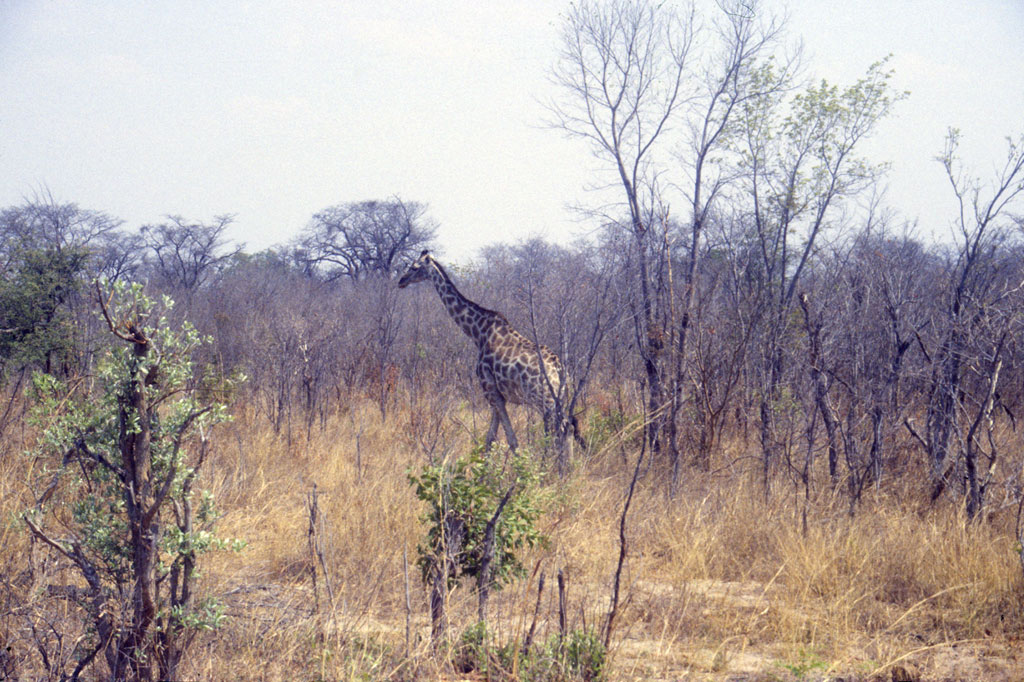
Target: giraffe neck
(473, 320)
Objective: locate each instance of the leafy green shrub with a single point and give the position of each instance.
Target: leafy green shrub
(479, 517)
(121, 507)
(472, 652)
(580, 655)
(465, 493)
(584, 655)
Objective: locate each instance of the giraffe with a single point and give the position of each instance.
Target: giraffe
(511, 367)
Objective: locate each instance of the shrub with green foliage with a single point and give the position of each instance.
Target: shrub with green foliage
(468, 490)
(119, 503)
(579, 655)
(479, 518)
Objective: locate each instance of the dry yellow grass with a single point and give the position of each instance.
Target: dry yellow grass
(720, 583)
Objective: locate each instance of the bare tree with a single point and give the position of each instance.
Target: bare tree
(185, 255)
(623, 73)
(740, 71)
(44, 223)
(722, 324)
(356, 239)
(979, 312)
(119, 255)
(863, 315)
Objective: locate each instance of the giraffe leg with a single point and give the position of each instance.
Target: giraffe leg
(492, 431)
(497, 401)
(506, 423)
(499, 416)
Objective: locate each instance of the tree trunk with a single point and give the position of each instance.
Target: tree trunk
(975, 487)
(444, 564)
(132, 661)
(821, 389)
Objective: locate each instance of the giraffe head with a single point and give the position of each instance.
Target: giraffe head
(418, 271)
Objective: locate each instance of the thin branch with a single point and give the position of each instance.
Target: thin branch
(612, 612)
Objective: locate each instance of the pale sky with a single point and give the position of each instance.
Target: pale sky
(275, 110)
